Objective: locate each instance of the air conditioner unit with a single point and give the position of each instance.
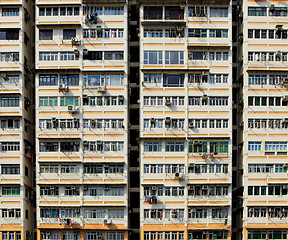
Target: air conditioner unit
(101, 89)
(4, 76)
(168, 103)
(76, 42)
(107, 221)
(52, 187)
(62, 87)
(284, 120)
(73, 188)
(168, 120)
(154, 188)
(191, 187)
(152, 120)
(279, 28)
(85, 52)
(182, 5)
(176, 175)
(285, 186)
(85, 143)
(54, 119)
(121, 98)
(76, 52)
(200, 143)
(285, 98)
(278, 53)
(72, 109)
(191, 125)
(179, 28)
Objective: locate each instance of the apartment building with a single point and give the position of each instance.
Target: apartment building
(82, 119)
(264, 78)
(185, 120)
(16, 119)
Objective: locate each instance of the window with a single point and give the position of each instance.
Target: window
(153, 13)
(48, 101)
(152, 78)
(10, 12)
(66, 101)
(197, 147)
(173, 80)
(48, 169)
(174, 57)
(197, 11)
(218, 12)
(69, 169)
(69, 146)
(69, 79)
(113, 33)
(275, 146)
(113, 11)
(174, 146)
(9, 34)
(10, 191)
(197, 55)
(93, 55)
(199, 33)
(10, 169)
(152, 146)
(69, 34)
(68, 56)
(48, 56)
(11, 213)
(278, 11)
(219, 147)
(115, 213)
(48, 80)
(256, 234)
(49, 191)
(174, 13)
(10, 146)
(45, 34)
(114, 235)
(254, 146)
(153, 57)
(116, 55)
(153, 33)
(48, 146)
(9, 101)
(257, 11)
(218, 33)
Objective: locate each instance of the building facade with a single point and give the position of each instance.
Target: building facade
(264, 146)
(82, 120)
(140, 119)
(17, 120)
(185, 120)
